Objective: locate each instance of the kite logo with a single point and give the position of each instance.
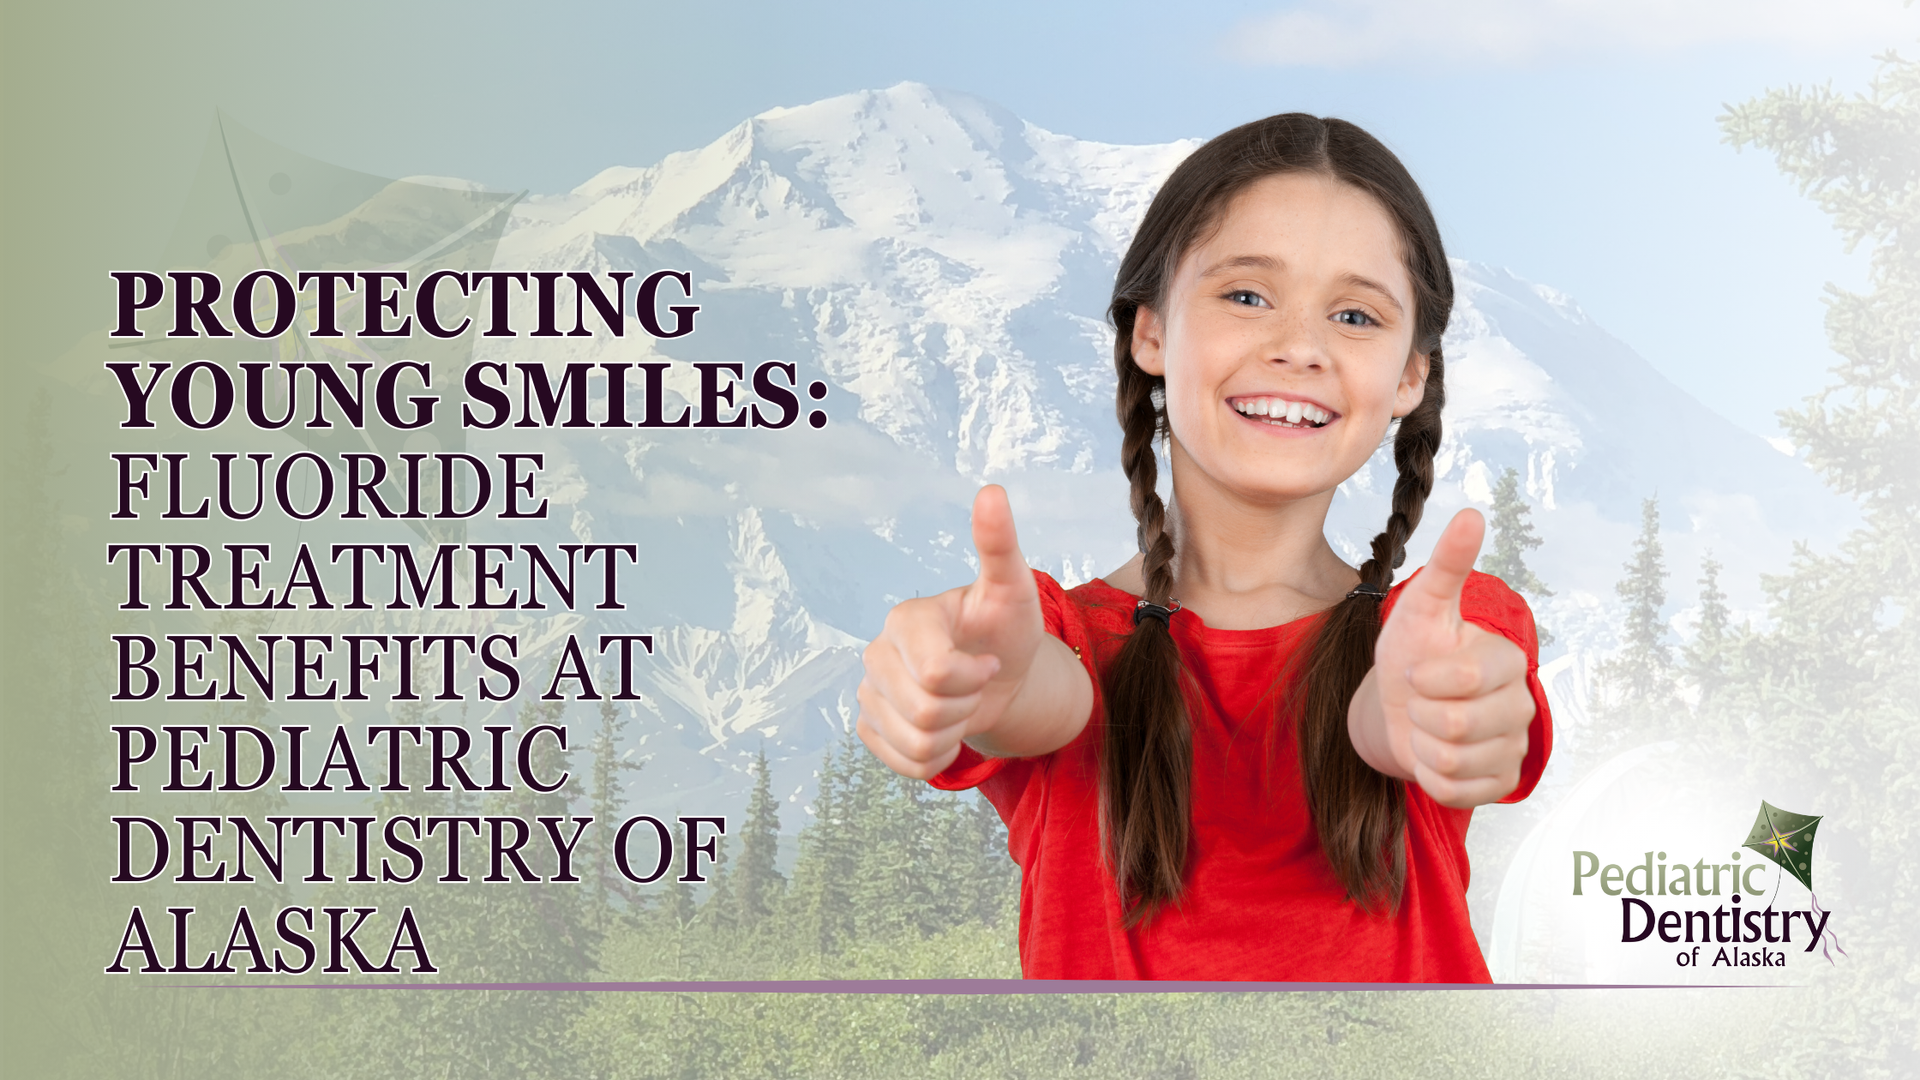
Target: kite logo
(1782, 838)
(1786, 839)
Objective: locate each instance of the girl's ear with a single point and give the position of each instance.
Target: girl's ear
(1413, 385)
(1149, 353)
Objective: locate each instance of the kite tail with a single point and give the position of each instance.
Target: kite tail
(1825, 935)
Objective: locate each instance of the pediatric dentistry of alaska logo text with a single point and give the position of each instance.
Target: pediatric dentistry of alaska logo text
(1741, 937)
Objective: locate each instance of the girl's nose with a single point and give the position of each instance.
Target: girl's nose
(1298, 340)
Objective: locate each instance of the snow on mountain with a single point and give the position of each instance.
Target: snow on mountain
(899, 232)
(944, 266)
(752, 675)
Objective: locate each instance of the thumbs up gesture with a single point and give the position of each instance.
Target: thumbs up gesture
(972, 663)
(1447, 703)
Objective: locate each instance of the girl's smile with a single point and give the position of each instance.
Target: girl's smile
(1283, 412)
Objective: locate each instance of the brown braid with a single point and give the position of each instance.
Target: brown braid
(1146, 753)
(1147, 759)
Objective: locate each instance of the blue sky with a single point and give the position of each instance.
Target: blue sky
(1572, 142)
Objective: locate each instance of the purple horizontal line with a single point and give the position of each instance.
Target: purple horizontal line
(956, 986)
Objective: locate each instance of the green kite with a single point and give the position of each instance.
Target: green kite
(1787, 839)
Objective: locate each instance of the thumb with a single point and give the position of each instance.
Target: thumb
(1001, 564)
(1435, 592)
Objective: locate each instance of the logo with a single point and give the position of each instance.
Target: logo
(1652, 913)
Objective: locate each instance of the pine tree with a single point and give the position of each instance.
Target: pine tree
(1828, 690)
(1513, 537)
(719, 910)
(825, 866)
(889, 826)
(546, 928)
(1706, 655)
(757, 884)
(607, 889)
(1638, 678)
(678, 907)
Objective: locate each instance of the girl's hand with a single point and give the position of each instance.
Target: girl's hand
(974, 663)
(1446, 704)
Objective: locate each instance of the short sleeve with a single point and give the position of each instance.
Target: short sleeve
(1488, 603)
(1005, 780)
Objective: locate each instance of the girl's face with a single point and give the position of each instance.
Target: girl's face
(1286, 343)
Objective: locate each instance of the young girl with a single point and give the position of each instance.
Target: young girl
(1237, 757)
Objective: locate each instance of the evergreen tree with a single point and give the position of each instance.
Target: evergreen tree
(1513, 537)
(1638, 678)
(1829, 688)
(892, 893)
(560, 939)
(825, 866)
(678, 907)
(719, 910)
(988, 886)
(1706, 655)
(757, 884)
(607, 889)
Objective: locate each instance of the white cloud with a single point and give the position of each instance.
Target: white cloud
(1355, 33)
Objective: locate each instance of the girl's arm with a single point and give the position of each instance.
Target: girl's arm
(1446, 704)
(972, 664)
(1047, 711)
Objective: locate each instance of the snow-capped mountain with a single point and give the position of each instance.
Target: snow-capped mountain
(944, 267)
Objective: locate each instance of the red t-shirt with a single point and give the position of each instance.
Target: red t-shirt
(1261, 901)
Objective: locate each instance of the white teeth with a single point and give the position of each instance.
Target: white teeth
(1282, 411)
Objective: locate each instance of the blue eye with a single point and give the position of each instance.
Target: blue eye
(1247, 297)
(1354, 317)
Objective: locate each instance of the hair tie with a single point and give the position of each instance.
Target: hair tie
(1368, 589)
(1148, 610)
